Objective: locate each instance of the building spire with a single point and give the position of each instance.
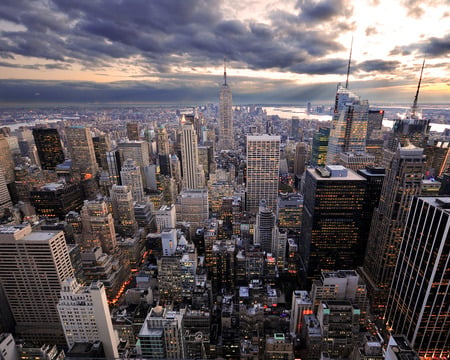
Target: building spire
(224, 71)
(414, 106)
(349, 62)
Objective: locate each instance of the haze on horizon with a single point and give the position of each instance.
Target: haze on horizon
(172, 51)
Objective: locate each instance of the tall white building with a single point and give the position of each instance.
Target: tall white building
(225, 116)
(131, 177)
(192, 176)
(85, 315)
(263, 163)
(166, 217)
(33, 264)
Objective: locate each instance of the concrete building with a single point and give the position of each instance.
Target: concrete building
(192, 207)
(263, 162)
(131, 176)
(193, 178)
(123, 210)
(166, 217)
(33, 264)
(226, 134)
(85, 316)
(81, 149)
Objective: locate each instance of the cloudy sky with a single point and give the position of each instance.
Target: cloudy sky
(283, 51)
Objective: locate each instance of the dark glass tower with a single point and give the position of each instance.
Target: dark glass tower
(419, 299)
(49, 148)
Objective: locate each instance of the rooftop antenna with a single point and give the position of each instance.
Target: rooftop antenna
(414, 107)
(349, 61)
(224, 71)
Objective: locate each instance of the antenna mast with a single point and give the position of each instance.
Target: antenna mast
(224, 71)
(414, 107)
(349, 61)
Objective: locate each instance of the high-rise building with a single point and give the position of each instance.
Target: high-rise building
(114, 165)
(85, 316)
(192, 176)
(375, 139)
(133, 131)
(263, 163)
(419, 294)
(6, 160)
(226, 136)
(163, 151)
(139, 152)
(166, 217)
(295, 128)
(49, 148)
(32, 266)
(349, 125)
(192, 207)
(265, 224)
(320, 146)
(5, 198)
(55, 200)
(102, 144)
(131, 177)
(160, 335)
(402, 181)
(98, 226)
(301, 152)
(81, 149)
(331, 228)
(290, 210)
(356, 160)
(123, 210)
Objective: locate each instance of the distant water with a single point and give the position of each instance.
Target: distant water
(287, 112)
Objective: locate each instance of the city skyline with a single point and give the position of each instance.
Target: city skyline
(289, 52)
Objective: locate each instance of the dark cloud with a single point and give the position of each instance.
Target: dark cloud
(379, 66)
(324, 10)
(167, 34)
(431, 48)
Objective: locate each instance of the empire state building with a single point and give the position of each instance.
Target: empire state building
(225, 115)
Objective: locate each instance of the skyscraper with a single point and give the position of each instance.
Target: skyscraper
(98, 226)
(123, 210)
(402, 181)
(133, 131)
(131, 176)
(263, 162)
(331, 228)
(6, 160)
(320, 146)
(225, 115)
(32, 266)
(49, 148)
(163, 151)
(85, 316)
(265, 223)
(81, 149)
(192, 176)
(349, 125)
(419, 297)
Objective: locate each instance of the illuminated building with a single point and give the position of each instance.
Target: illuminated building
(131, 177)
(279, 346)
(85, 316)
(339, 321)
(320, 146)
(98, 226)
(226, 135)
(49, 148)
(301, 306)
(419, 296)
(163, 151)
(6, 160)
(133, 131)
(32, 266)
(402, 181)
(5, 198)
(196, 325)
(290, 211)
(398, 348)
(332, 220)
(81, 149)
(123, 210)
(56, 199)
(192, 207)
(137, 151)
(349, 125)
(263, 162)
